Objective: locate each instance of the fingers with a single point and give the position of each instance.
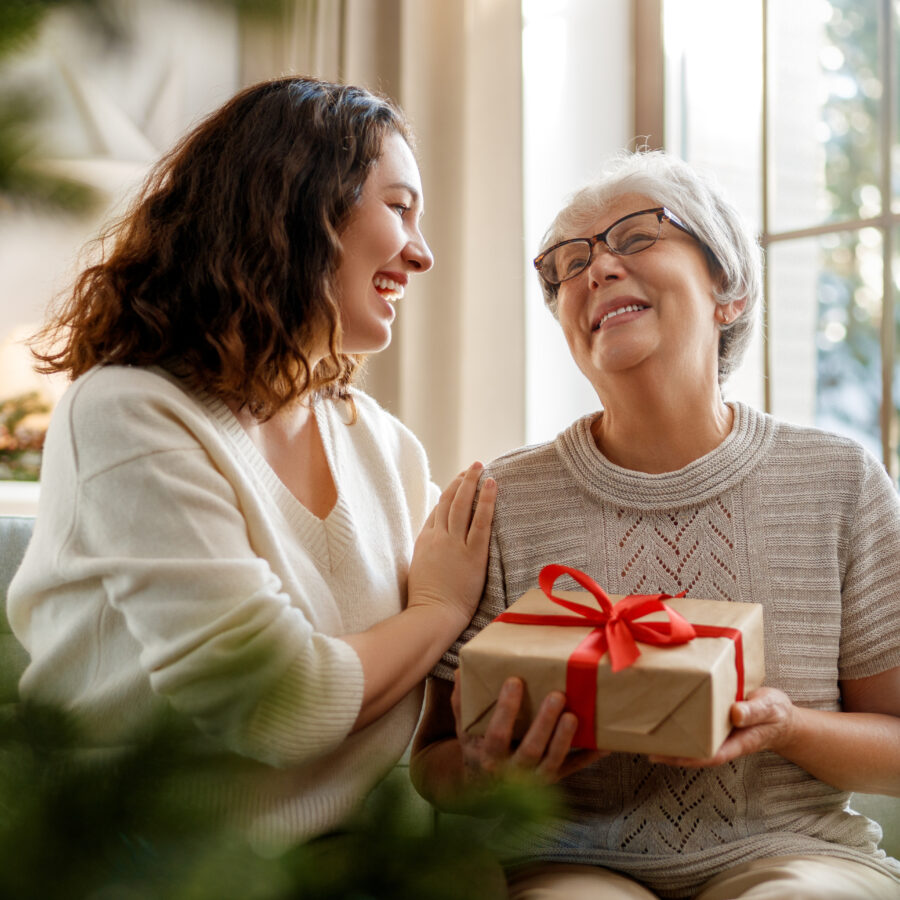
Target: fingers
(495, 746)
(460, 510)
(546, 748)
(762, 706)
(453, 511)
(538, 740)
(480, 528)
(559, 746)
(761, 722)
(441, 512)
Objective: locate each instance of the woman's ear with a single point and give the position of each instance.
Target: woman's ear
(726, 313)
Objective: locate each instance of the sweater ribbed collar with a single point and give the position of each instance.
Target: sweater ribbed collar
(742, 450)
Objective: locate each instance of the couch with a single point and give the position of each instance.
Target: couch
(15, 532)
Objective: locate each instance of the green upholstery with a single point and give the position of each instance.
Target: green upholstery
(15, 532)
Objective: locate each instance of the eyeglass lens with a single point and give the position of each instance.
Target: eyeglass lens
(631, 235)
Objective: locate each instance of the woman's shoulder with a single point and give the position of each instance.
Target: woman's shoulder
(123, 385)
(811, 444)
(838, 465)
(114, 413)
(527, 460)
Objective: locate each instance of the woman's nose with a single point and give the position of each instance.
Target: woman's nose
(604, 265)
(418, 254)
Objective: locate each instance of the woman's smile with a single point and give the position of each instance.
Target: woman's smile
(618, 312)
(391, 285)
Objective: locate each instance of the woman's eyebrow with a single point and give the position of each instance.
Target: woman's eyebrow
(406, 187)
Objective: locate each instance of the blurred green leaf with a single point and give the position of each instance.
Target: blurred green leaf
(22, 181)
(104, 826)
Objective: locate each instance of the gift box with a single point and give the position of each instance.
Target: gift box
(643, 673)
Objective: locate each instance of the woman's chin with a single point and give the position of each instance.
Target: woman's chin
(373, 343)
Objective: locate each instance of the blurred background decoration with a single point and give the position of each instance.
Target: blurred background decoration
(93, 91)
(794, 107)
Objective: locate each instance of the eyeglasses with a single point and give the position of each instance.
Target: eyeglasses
(632, 233)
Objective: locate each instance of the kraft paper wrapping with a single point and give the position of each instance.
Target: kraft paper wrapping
(673, 700)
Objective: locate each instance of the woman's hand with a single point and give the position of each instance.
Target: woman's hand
(450, 556)
(856, 749)
(545, 751)
(763, 721)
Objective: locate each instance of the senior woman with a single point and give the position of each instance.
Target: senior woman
(656, 283)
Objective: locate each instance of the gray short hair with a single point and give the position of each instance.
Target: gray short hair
(734, 254)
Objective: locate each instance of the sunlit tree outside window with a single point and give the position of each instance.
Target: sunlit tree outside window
(818, 172)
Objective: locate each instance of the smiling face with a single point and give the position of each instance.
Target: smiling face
(382, 247)
(654, 311)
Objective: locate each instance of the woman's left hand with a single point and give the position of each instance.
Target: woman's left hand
(763, 721)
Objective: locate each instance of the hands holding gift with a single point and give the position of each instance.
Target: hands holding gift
(828, 744)
(446, 759)
(762, 721)
(545, 750)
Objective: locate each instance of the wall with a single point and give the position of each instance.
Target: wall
(578, 109)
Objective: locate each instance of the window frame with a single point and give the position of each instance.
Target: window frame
(650, 118)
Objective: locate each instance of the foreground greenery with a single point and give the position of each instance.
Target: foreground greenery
(25, 102)
(118, 830)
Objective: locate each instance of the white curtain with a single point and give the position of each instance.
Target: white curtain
(455, 372)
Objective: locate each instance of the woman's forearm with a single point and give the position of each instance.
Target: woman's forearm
(398, 653)
(446, 578)
(852, 751)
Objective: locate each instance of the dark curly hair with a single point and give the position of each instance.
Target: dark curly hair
(225, 263)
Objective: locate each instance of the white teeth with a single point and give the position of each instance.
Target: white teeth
(388, 287)
(619, 311)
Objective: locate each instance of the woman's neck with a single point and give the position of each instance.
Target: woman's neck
(662, 430)
(291, 444)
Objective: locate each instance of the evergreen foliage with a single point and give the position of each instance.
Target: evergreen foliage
(104, 826)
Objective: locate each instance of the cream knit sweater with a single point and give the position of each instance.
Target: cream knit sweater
(802, 522)
(171, 569)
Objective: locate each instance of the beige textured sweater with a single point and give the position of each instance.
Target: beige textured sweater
(170, 569)
(804, 523)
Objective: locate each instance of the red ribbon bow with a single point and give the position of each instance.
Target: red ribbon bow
(615, 629)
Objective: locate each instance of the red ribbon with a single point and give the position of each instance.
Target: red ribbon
(617, 630)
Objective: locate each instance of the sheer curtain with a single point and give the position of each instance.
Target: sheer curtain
(455, 370)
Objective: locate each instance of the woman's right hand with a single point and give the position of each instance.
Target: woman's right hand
(545, 751)
(450, 557)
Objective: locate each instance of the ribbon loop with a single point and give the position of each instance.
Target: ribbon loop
(621, 630)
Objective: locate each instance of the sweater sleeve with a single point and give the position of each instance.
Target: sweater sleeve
(870, 594)
(158, 521)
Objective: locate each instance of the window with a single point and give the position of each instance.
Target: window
(795, 107)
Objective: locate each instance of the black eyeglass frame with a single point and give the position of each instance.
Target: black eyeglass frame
(661, 213)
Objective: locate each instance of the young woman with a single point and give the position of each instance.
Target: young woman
(229, 532)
